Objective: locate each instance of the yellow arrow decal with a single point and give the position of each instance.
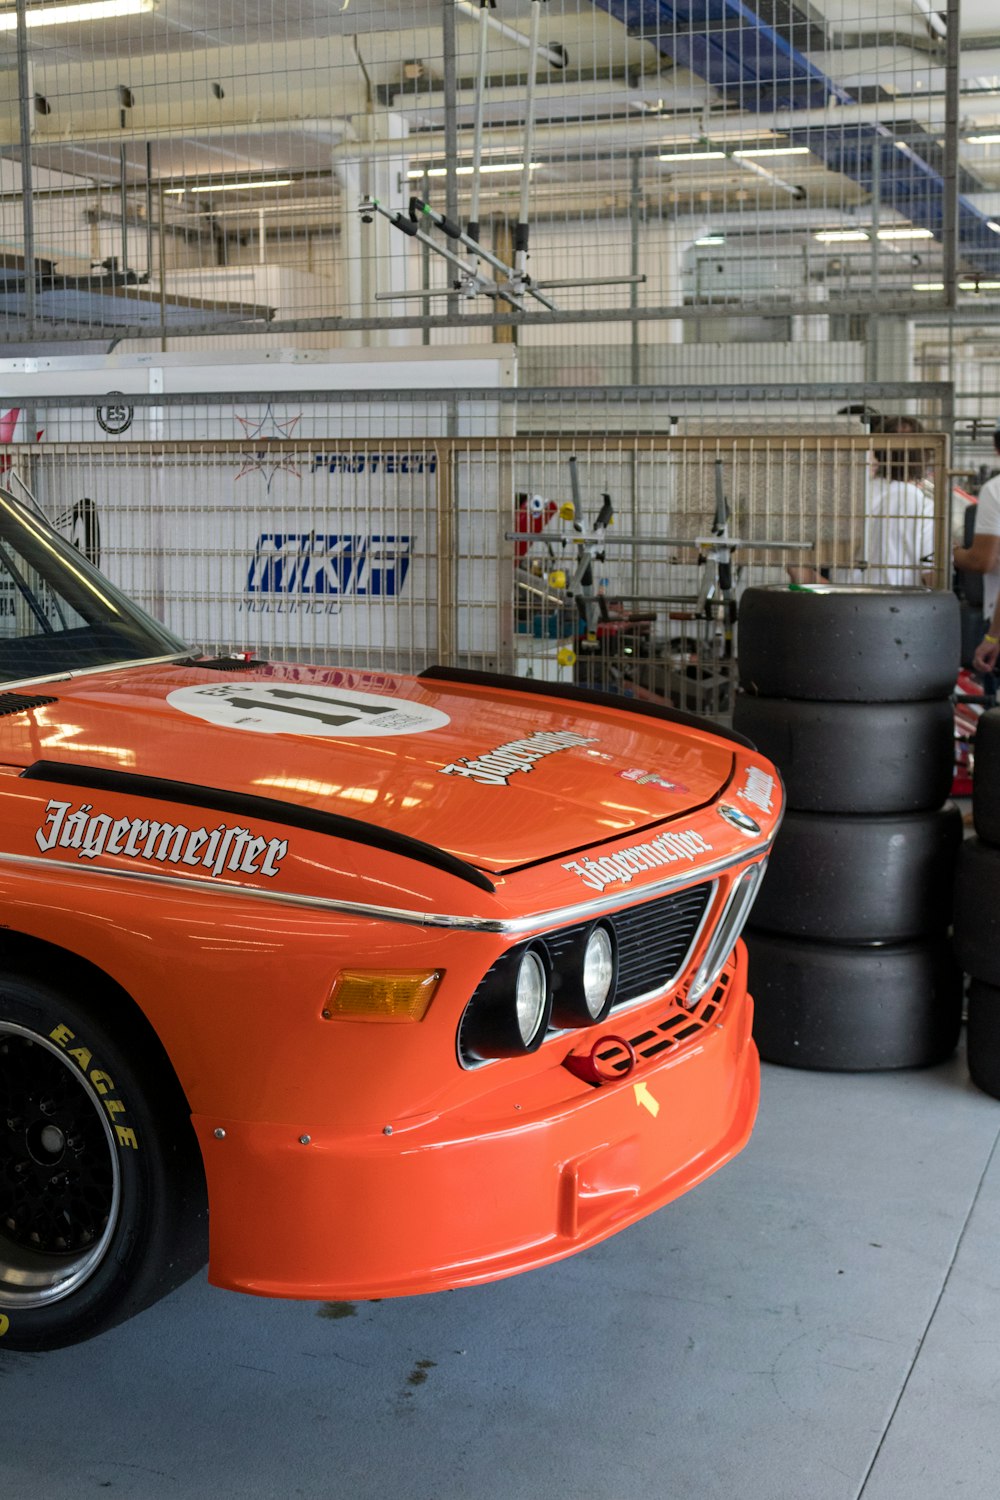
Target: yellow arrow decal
(645, 1098)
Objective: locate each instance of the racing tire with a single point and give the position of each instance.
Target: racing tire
(982, 1039)
(986, 777)
(856, 879)
(857, 1009)
(102, 1198)
(977, 910)
(849, 645)
(854, 757)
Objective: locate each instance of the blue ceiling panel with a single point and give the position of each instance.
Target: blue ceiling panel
(726, 43)
(759, 70)
(903, 181)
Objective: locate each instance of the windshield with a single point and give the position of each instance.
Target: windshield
(58, 613)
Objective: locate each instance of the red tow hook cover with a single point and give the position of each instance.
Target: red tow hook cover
(593, 1068)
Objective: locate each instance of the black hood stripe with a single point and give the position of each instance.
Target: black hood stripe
(566, 692)
(270, 809)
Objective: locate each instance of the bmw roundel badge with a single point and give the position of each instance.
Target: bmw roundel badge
(740, 820)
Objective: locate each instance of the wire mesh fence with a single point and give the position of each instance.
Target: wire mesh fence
(688, 174)
(614, 560)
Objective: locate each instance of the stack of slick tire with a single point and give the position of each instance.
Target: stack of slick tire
(847, 691)
(977, 909)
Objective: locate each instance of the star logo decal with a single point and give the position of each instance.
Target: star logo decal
(269, 464)
(263, 462)
(254, 428)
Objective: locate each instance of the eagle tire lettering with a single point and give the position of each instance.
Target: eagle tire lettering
(107, 1208)
(101, 1082)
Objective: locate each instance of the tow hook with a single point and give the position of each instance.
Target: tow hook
(604, 1062)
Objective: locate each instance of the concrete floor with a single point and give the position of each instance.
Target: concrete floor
(820, 1321)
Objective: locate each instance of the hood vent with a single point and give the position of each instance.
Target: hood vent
(226, 663)
(19, 703)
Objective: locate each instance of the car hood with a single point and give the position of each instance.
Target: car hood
(499, 779)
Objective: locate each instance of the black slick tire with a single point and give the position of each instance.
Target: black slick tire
(983, 1037)
(854, 757)
(977, 910)
(854, 1009)
(986, 778)
(857, 879)
(849, 645)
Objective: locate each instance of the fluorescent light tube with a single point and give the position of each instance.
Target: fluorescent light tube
(70, 15)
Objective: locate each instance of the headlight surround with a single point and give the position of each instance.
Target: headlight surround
(727, 930)
(587, 978)
(510, 1012)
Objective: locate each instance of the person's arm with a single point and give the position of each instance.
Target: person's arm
(982, 557)
(985, 658)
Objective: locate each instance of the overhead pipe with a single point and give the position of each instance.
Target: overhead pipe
(554, 56)
(639, 133)
(925, 9)
(649, 131)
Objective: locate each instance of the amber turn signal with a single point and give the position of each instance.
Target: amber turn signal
(382, 994)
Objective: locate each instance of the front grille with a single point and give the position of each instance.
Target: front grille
(677, 1026)
(653, 940)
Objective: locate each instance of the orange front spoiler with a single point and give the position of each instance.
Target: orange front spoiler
(528, 1174)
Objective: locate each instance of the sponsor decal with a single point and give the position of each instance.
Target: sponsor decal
(270, 707)
(217, 850)
(496, 767)
(374, 463)
(254, 426)
(268, 465)
(650, 778)
(624, 864)
(116, 416)
(758, 789)
(263, 461)
(322, 565)
(8, 424)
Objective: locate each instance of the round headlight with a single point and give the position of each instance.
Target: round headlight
(598, 971)
(509, 1013)
(530, 996)
(586, 977)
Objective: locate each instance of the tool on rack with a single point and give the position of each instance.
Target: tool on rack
(716, 593)
(510, 283)
(591, 604)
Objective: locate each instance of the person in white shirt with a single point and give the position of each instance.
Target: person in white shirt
(899, 529)
(984, 554)
(899, 517)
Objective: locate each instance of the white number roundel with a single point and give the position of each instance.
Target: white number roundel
(269, 707)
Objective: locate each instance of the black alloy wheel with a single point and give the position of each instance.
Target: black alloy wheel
(102, 1194)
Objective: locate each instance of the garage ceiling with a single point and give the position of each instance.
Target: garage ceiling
(265, 94)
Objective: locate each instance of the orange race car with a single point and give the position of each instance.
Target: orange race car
(372, 984)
